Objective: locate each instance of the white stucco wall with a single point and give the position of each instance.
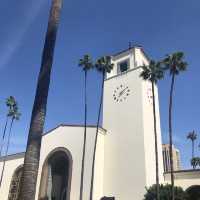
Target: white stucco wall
(71, 138)
(126, 167)
(129, 146)
(185, 178)
(10, 167)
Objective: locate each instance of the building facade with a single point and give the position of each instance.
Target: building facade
(166, 158)
(125, 157)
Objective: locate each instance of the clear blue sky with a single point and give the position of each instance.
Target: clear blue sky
(97, 27)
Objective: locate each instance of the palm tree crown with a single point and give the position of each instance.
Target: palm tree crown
(86, 62)
(195, 161)
(13, 111)
(11, 102)
(153, 72)
(104, 64)
(174, 63)
(192, 136)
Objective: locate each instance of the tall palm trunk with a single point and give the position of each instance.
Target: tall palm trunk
(6, 153)
(85, 137)
(96, 137)
(192, 148)
(3, 136)
(170, 136)
(156, 144)
(32, 155)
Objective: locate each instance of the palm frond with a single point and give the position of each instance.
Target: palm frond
(153, 72)
(86, 62)
(104, 64)
(175, 63)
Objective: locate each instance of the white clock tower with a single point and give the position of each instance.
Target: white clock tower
(129, 162)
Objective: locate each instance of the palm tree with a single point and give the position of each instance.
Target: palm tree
(32, 155)
(192, 136)
(175, 64)
(195, 161)
(86, 64)
(10, 103)
(103, 65)
(153, 73)
(14, 115)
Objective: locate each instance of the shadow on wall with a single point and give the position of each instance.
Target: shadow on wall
(108, 198)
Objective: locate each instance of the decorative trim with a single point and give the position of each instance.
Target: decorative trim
(73, 125)
(187, 170)
(121, 74)
(12, 156)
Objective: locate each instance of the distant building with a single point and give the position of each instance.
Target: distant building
(166, 158)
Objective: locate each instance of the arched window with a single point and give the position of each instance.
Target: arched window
(15, 184)
(56, 176)
(194, 192)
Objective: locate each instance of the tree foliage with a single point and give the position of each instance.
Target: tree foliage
(153, 72)
(179, 193)
(174, 63)
(195, 162)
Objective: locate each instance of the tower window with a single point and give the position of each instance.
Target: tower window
(123, 66)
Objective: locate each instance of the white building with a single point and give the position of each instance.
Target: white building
(125, 162)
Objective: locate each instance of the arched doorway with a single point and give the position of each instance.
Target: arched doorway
(15, 184)
(194, 192)
(56, 176)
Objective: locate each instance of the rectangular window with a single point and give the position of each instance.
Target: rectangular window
(123, 66)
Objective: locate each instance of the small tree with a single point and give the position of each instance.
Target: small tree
(195, 162)
(179, 193)
(175, 64)
(13, 114)
(10, 103)
(192, 136)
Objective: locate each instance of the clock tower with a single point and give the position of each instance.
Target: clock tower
(129, 157)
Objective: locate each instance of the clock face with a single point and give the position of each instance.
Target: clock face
(121, 93)
(150, 95)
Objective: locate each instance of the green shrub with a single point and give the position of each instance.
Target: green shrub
(180, 194)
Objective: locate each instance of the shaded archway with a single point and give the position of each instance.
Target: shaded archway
(56, 176)
(194, 192)
(15, 184)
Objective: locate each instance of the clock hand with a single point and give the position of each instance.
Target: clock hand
(122, 92)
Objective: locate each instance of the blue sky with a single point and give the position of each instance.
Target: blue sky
(97, 27)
